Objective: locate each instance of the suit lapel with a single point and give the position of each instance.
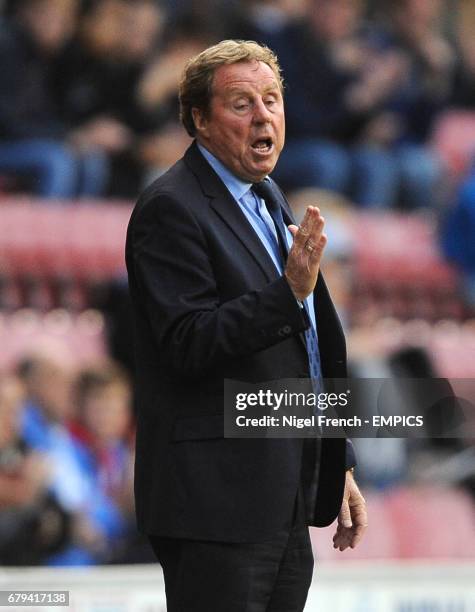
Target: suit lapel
(286, 210)
(320, 293)
(222, 202)
(229, 211)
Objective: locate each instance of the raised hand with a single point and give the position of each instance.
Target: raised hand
(303, 262)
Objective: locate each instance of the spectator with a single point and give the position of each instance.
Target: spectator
(257, 18)
(333, 97)
(341, 133)
(158, 90)
(412, 28)
(95, 81)
(32, 525)
(458, 231)
(48, 410)
(33, 141)
(104, 425)
(464, 87)
(117, 82)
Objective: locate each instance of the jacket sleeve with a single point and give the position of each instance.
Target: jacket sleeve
(350, 457)
(172, 274)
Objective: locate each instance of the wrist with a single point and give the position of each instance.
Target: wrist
(298, 296)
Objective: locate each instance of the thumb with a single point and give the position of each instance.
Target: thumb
(344, 517)
(293, 229)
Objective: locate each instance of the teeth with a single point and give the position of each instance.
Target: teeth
(262, 146)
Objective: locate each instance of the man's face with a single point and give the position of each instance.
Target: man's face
(245, 126)
(335, 19)
(51, 22)
(141, 25)
(106, 411)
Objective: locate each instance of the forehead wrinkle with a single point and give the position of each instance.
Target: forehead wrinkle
(245, 87)
(229, 78)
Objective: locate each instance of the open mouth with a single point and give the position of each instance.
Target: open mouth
(262, 145)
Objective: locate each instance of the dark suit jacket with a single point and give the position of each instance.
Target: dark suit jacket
(208, 304)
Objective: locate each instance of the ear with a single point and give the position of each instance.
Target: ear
(201, 122)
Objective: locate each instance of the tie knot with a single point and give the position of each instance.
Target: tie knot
(264, 190)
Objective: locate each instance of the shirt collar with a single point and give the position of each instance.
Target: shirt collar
(237, 187)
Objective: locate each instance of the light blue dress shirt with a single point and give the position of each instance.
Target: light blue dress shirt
(255, 211)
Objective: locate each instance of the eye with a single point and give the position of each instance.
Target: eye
(241, 105)
(270, 101)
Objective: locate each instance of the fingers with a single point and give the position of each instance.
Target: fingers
(344, 533)
(316, 250)
(357, 506)
(358, 513)
(349, 537)
(352, 519)
(309, 246)
(360, 522)
(344, 517)
(342, 538)
(357, 536)
(310, 230)
(305, 254)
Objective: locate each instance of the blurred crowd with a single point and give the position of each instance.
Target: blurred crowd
(88, 109)
(88, 94)
(88, 97)
(66, 465)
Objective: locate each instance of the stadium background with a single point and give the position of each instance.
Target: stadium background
(381, 134)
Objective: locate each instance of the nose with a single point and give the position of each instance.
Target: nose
(261, 112)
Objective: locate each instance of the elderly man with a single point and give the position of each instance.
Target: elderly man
(224, 285)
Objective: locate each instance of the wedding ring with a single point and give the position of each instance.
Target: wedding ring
(309, 246)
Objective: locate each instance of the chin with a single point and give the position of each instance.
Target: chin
(265, 172)
(264, 169)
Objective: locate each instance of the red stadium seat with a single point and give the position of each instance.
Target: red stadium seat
(76, 338)
(81, 240)
(397, 267)
(432, 522)
(399, 249)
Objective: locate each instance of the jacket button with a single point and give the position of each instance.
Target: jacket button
(284, 331)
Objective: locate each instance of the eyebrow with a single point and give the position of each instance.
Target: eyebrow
(240, 90)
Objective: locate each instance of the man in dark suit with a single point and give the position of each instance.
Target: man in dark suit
(221, 289)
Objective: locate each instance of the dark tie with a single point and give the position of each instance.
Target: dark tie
(265, 191)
